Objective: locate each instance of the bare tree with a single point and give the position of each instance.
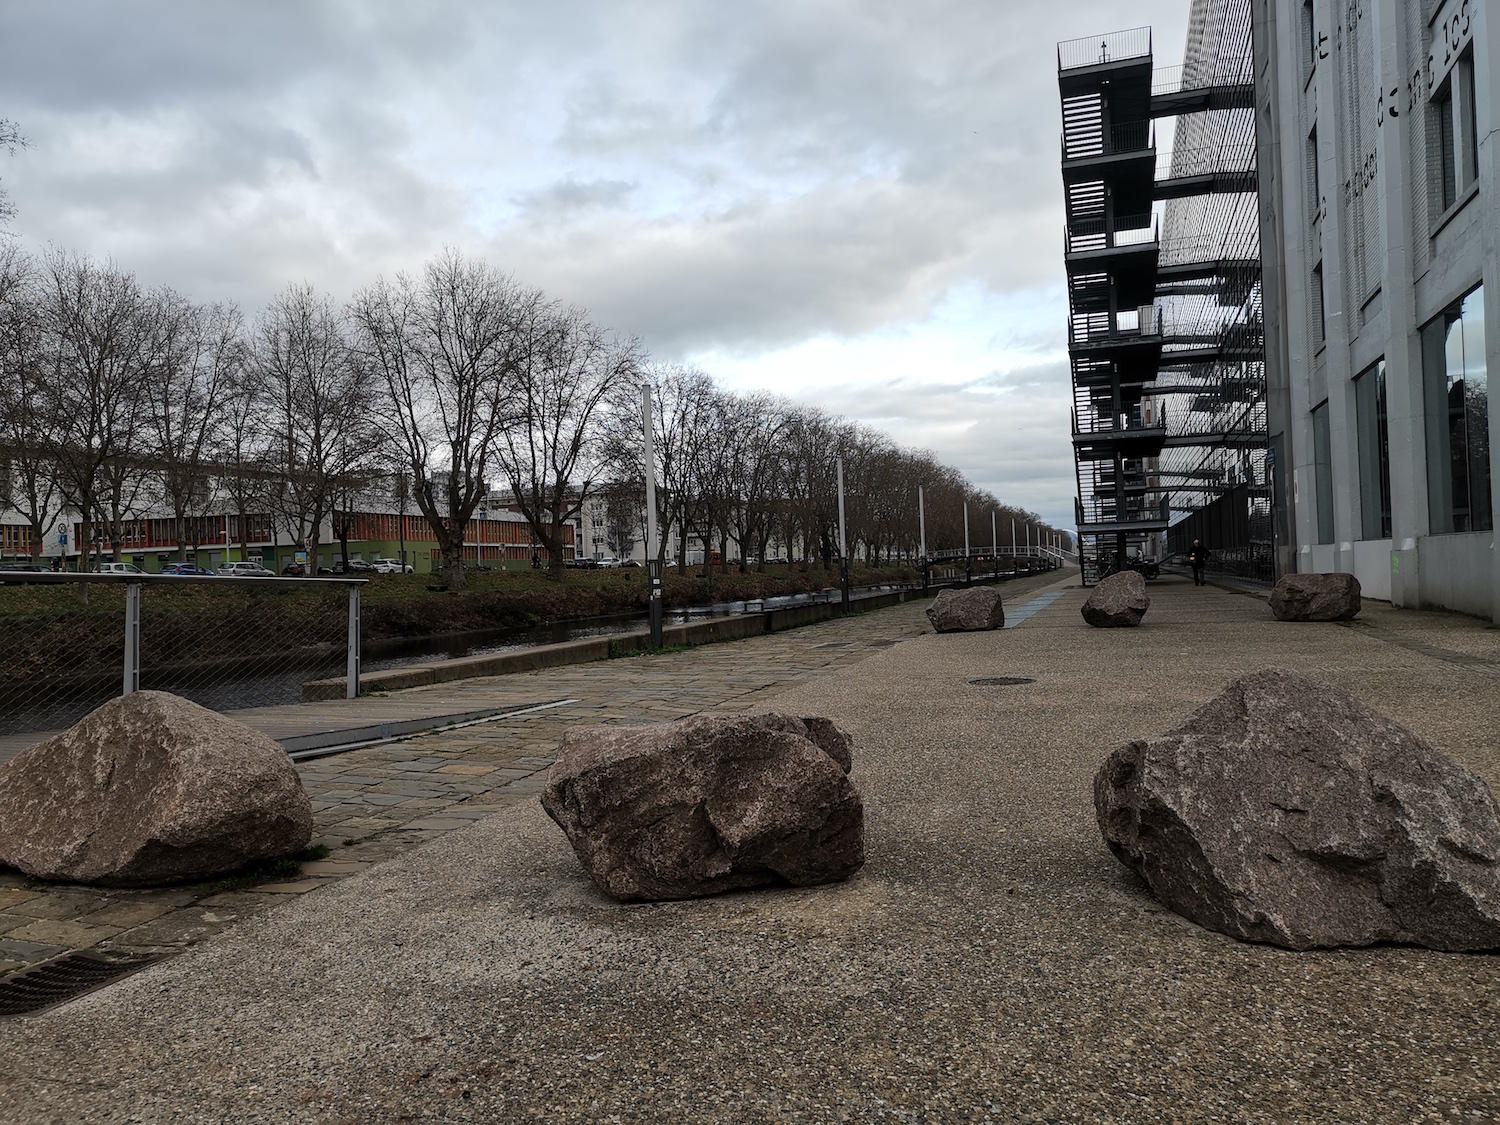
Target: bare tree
(202, 355)
(102, 341)
(10, 140)
(28, 427)
(319, 407)
(566, 371)
(444, 349)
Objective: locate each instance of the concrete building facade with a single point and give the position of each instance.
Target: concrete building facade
(1380, 225)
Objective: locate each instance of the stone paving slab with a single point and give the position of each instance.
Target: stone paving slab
(380, 801)
(992, 962)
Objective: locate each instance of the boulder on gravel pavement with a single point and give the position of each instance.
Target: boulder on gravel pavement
(709, 804)
(1316, 597)
(1286, 811)
(150, 788)
(966, 611)
(1118, 602)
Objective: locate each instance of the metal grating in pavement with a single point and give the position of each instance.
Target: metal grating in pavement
(50, 983)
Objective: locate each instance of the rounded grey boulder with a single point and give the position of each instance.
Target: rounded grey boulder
(1118, 602)
(1316, 597)
(966, 611)
(1286, 811)
(150, 788)
(708, 804)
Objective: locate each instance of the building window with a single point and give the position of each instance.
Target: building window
(1455, 133)
(1456, 390)
(1319, 317)
(1314, 187)
(1309, 39)
(1374, 453)
(1323, 473)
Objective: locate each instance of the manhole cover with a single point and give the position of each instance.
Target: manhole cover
(65, 978)
(1001, 681)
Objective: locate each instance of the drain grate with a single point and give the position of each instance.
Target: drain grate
(50, 983)
(1001, 681)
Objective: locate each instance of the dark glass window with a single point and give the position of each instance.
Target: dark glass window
(1374, 447)
(1323, 473)
(1456, 387)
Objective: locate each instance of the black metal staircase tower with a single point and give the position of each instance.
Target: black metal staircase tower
(1163, 285)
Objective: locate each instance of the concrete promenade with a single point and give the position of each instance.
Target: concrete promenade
(991, 962)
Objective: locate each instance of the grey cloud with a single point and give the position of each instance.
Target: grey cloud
(707, 175)
(566, 198)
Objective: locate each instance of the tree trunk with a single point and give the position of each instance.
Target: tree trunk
(452, 547)
(554, 541)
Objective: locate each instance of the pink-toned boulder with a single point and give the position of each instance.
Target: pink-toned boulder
(1118, 602)
(1316, 597)
(150, 788)
(709, 804)
(967, 611)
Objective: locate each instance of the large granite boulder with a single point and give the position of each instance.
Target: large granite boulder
(150, 788)
(709, 804)
(1288, 812)
(1118, 602)
(966, 611)
(1315, 597)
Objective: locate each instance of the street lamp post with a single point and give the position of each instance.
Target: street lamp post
(653, 559)
(843, 549)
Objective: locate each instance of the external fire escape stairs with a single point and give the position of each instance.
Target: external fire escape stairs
(1113, 254)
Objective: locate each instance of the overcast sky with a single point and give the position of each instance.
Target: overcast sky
(856, 204)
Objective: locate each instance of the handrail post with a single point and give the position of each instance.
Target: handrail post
(132, 674)
(351, 686)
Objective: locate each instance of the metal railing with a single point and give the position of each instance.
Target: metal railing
(1122, 139)
(69, 642)
(1096, 50)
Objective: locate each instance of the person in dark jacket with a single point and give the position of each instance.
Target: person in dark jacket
(1197, 559)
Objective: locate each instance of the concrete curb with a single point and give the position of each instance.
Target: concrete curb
(586, 651)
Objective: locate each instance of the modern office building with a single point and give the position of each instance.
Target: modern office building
(1377, 126)
(1165, 330)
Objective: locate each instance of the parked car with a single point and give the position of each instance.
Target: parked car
(608, 564)
(245, 570)
(117, 568)
(356, 566)
(630, 562)
(182, 569)
(294, 570)
(390, 566)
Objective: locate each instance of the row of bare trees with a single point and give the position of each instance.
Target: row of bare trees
(746, 474)
(117, 399)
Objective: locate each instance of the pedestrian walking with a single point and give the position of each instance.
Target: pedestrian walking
(1197, 559)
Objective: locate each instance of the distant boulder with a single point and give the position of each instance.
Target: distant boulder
(1316, 597)
(1286, 811)
(966, 611)
(713, 803)
(150, 788)
(1118, 602)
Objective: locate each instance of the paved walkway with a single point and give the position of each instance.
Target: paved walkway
(371, 804)
(991, 962)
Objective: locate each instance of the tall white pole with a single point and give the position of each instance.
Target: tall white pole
(922, 520)
(843, 553)
(994, 536)
(1012, 536)
(650, 472)
(966, 529)
(654, 606)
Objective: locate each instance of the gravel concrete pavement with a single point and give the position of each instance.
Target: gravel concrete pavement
(991, 963)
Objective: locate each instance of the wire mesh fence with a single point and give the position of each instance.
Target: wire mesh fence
(70, 642)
